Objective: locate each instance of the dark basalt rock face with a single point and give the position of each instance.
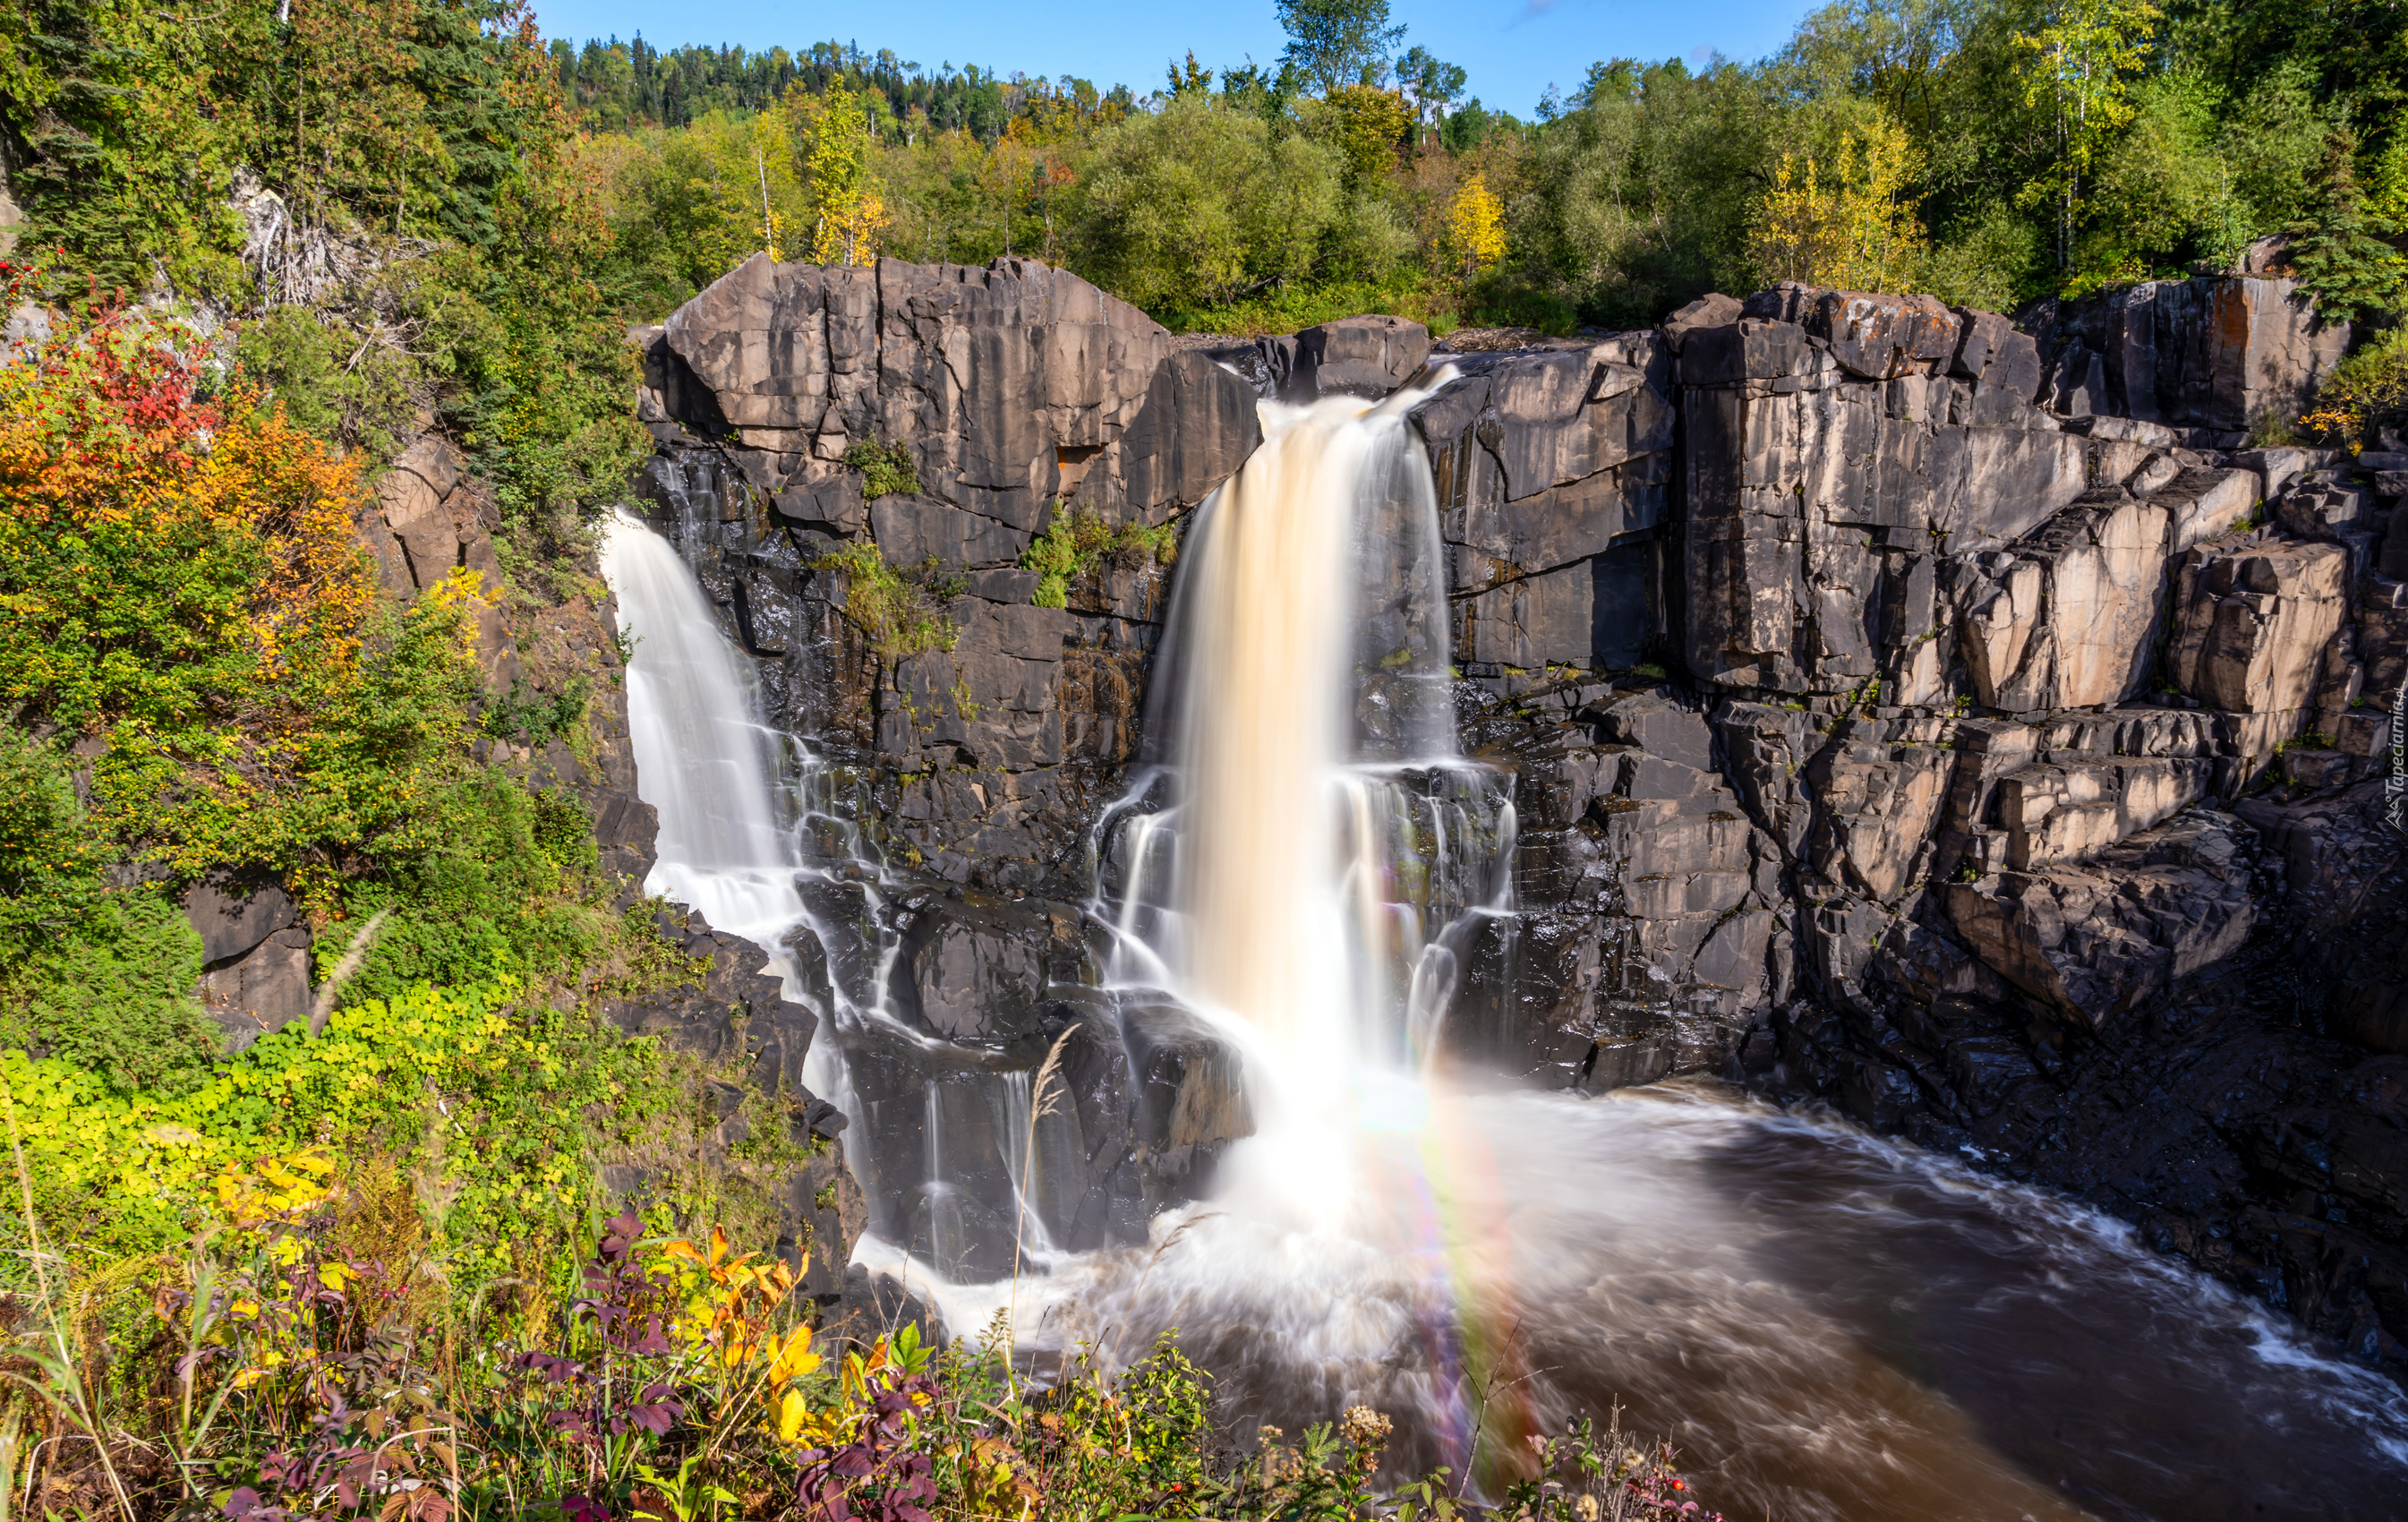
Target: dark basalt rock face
(1937, 717)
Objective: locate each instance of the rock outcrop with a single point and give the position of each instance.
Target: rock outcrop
(1942, 716)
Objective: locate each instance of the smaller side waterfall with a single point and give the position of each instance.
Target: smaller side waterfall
(704, 760)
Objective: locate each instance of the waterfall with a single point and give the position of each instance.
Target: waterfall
(1830, 1324)
(704, 760)
(1303, 732)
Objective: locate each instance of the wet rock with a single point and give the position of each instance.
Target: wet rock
(972, 969)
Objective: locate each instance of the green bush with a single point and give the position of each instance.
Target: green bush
(886, 469)
(491, 879)
(901, 612)
(2367, 391)
(1202, 204)
(1075, 543)
(112, 990)
(529, 717)
(354, 388)
(495, 1103)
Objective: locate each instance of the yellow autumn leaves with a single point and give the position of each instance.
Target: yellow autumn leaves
(1844, 219)
(1474, 237)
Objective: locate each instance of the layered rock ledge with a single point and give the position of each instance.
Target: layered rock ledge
(1950, 720)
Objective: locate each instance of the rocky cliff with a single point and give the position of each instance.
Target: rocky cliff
(1943, 719)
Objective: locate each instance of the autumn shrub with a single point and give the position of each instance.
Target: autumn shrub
(2366, 393)
(197, 677)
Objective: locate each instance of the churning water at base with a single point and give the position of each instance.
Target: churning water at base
(1828, 1324)
(1825, 1324)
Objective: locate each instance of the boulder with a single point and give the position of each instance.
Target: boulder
(2202, 502)
(2097, 939)
(1362, 356)
(1015, 380)
(2215, 351)
(972, 969)
(2252, 619)
(260, 991)
(231, 916)
(2066, 619)
(2071, 810)
(1881, 338)
(1875, 807)
(1196, 428)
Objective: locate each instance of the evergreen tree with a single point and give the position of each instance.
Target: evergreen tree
(2340, 253)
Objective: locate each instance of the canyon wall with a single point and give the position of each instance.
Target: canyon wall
(1953, 722)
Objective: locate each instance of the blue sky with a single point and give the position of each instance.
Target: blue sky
(1513, 48)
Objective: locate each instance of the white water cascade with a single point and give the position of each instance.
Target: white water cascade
(1828, 1324)
(704, 760)
(1298, 887)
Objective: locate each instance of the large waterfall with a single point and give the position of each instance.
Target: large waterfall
(1300, 883)
(1828, 1324)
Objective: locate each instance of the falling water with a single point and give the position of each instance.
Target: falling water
(1298, 906)
(760, 835)
(704, 760)
(1830, 1324)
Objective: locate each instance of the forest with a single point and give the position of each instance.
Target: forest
(251, 253)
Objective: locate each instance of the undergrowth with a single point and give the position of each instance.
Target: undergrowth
(2367, 392)
(900, 612)
(886, 469)
(305, 1354)
(1077, 542)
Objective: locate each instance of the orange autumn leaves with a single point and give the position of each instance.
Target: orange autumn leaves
(165, 558)
(181, 590)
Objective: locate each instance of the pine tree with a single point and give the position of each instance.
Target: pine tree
(2340, 253)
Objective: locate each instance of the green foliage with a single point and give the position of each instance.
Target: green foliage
(1200, 203)
(2367, 391)
(1076, 544)
(1638, 198)
(886, 469)
(1336, 43)
(488, 1098)
(2342, 253)
(47, 863)
(528, 717)
(111, 989)
(103, 976)
(489, 878)
(901, 612)
(341, 385)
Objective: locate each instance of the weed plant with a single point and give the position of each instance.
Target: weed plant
(1078, 543)
(901, 612)
(287, 1368)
